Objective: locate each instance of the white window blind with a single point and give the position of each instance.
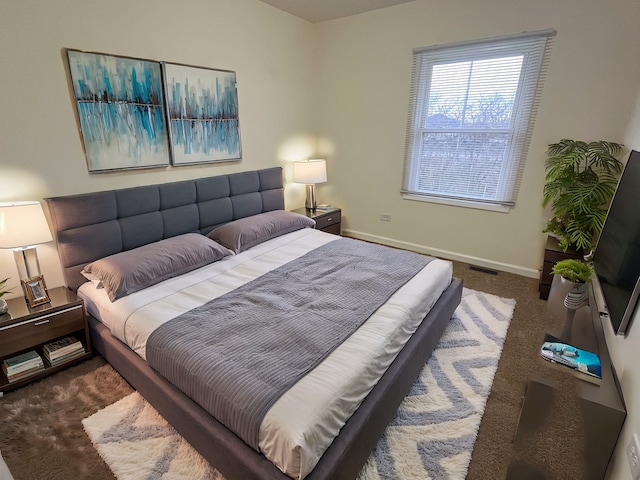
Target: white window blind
(471, 114)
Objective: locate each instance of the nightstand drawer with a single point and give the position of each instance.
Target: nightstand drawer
(23, 335)
(552, 254)
(328, 220)
(335, 229)
(553, 257)
(546, 277)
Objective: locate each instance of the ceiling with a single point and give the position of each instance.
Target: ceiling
(320, 10)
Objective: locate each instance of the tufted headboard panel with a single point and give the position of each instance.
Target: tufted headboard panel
(90, 226)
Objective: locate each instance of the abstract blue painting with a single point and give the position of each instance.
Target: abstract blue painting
(202, 106)
(121, 111)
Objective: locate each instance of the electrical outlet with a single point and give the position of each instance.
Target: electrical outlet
(385, 217)
(633, 455)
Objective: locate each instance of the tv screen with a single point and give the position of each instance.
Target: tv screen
(617, 255)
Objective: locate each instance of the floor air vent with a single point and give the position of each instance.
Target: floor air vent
(483, 270)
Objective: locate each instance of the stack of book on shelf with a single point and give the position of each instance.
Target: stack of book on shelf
(63, 350)
(582, 363)
(23, 365)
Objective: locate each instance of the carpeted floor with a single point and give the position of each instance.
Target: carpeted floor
(42, 435)
(555, 458)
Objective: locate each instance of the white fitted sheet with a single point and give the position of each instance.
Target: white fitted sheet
(304, 421)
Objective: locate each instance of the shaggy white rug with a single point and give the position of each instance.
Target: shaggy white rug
(431, 436)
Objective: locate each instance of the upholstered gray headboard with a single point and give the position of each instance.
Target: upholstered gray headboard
(90, 226)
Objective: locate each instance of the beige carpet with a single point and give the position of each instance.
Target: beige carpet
(42, 437)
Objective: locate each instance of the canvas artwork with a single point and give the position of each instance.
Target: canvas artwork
(202, 106)
(121, 111)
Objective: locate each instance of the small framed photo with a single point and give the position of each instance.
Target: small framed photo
(36, 290)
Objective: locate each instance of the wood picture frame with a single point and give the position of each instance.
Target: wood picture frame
(36, 290)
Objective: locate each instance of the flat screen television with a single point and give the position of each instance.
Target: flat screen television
(616, 258)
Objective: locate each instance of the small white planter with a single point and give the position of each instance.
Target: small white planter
(577, 296)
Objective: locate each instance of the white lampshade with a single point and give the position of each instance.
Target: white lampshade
(23, 224)
(310, 172)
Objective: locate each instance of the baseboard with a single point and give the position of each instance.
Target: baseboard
(436, 252)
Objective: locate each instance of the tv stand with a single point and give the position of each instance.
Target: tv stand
(563, 415)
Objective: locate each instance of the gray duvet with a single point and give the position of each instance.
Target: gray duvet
(237, 354)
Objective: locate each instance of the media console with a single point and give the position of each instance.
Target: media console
(561, 413)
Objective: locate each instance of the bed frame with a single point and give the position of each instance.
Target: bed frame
(93, 225)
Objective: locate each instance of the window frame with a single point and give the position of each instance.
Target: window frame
(534, 47)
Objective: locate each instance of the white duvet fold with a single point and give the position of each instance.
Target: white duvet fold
(305, 420)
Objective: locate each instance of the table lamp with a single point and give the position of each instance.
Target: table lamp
(310, 172)
(22, 227)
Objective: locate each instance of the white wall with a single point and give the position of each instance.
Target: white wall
(591, 93)
(40, 150)
(364, 70)
(346, 80)
(624, 349)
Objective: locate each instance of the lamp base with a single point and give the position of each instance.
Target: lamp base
(310, 203)
(28, 265)
(27, 262)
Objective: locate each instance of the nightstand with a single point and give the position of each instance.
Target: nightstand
(328, 220)
(26, 328)
(552, 254)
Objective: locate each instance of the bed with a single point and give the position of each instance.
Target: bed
(95, 226)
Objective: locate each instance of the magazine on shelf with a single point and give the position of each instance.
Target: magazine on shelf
(20, 363)
(62, 348)
(27, 373)
(21, 366)
(61, 345)
(582, 363)
(66, 358)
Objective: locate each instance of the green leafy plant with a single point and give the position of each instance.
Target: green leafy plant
(573, 270)
(581, 179)
(4, 291)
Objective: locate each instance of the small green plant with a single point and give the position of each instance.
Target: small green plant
(573, 270)
(3, 291)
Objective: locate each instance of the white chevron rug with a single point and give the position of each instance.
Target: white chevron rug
(430, 438)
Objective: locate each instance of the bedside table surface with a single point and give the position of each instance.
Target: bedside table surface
(317, 212)
(19, 310)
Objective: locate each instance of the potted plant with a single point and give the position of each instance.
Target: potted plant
(581, 179)
(577, 273)
(3, 303)
(573, 270)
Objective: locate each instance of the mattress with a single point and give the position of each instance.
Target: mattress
(304, 421)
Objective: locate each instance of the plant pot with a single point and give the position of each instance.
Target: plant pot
(577, 296)
(4, 308)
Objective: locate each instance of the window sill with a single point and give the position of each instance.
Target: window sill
(457, 203)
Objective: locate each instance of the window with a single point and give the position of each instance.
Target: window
(471, 115)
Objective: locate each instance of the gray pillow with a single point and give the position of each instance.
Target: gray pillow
(127, 272)
(248, 232)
